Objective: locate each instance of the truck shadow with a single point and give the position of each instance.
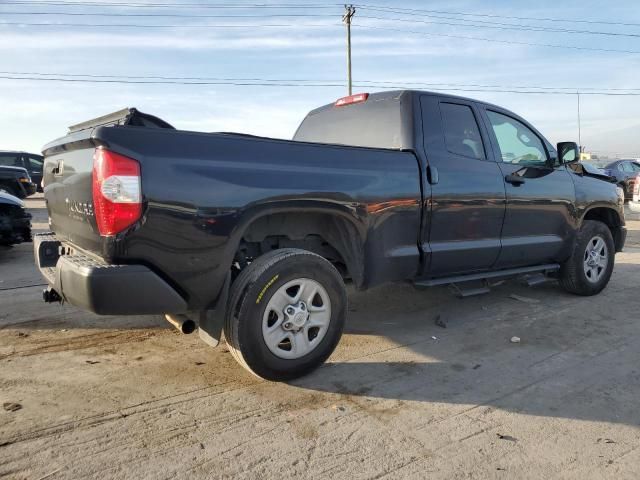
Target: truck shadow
(577, 357)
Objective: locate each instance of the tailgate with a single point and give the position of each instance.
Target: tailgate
(68, 192)
(68, 180)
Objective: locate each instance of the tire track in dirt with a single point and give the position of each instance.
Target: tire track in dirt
(81, 342)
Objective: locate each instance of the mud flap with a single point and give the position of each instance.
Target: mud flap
(211, 322)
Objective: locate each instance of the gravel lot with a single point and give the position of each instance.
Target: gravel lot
(129, 397)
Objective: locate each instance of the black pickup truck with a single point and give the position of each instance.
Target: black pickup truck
(257, 236)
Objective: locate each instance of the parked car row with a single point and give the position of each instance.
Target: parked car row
(20, 173)
(15, 221)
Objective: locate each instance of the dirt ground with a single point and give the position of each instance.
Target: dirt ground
(129, 397)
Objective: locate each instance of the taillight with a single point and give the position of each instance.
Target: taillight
(117, 199)
(351, 99)
(636, 185)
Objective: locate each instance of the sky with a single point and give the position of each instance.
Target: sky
(483, 50)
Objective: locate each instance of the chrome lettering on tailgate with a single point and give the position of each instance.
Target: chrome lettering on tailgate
(79, 210)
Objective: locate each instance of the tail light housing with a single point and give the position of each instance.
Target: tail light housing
(117, 196)
(636, 185)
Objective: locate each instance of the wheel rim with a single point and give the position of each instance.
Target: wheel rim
(596, 259)
(296, 318)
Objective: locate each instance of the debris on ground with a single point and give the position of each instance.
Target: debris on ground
(11, 406)
(338, 407)
(92, 362)
(605, 440)
(520, 298)
(476, 366)
(515, 339)
(22, 334)
(433, 337)
(508, 438)
(440, 321)
(199, 363)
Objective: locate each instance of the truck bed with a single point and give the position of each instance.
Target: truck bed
(201, 191)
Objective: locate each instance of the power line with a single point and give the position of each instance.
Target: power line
(172, 15)
(132, 25)
(363, 83)
(170, 5)
(492, 25)
(498, 26)
(278, 83)
(487, 15)
(507, 42)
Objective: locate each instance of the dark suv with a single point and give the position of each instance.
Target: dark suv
(32, 162)
(624, 172)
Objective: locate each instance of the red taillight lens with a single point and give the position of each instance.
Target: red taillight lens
(117, 199)
(636, 185)
(351, 99)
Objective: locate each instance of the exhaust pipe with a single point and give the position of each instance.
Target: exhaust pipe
(49, 295)
(183, 323)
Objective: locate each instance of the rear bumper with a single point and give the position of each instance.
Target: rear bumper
(30, 188)
(90, 283)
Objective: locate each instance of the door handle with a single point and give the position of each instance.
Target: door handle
(515, 180)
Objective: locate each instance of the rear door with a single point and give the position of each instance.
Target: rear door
(539, 226)
(467, 204)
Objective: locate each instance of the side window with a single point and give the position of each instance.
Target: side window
(35, 164)
(627, 168)
(10, 160)
(518, 144)
(636, 166)
(461, 132)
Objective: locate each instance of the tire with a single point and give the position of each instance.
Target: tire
(254, 314)
(574, 277)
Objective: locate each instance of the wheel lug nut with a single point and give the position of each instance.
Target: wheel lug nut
(287, 325)
(290, 310)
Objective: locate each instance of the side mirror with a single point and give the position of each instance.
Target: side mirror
(568, 152)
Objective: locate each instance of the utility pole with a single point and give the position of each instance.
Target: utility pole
(350, 11)
(579, 126)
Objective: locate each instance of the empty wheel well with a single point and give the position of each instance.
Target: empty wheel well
(329, 236)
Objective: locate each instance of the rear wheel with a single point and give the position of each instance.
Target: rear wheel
(589, 269)
(286, 314)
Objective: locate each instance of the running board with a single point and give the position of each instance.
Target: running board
(512, 272)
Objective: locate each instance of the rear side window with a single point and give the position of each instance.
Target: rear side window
(461, 132)
(518, 144)
(35, 164)
(10, 160)
(627, 167)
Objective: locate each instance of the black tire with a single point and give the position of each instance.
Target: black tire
(250, 294)
(572, 273)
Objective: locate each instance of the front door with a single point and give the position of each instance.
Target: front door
(539, 223)
(464, 221)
